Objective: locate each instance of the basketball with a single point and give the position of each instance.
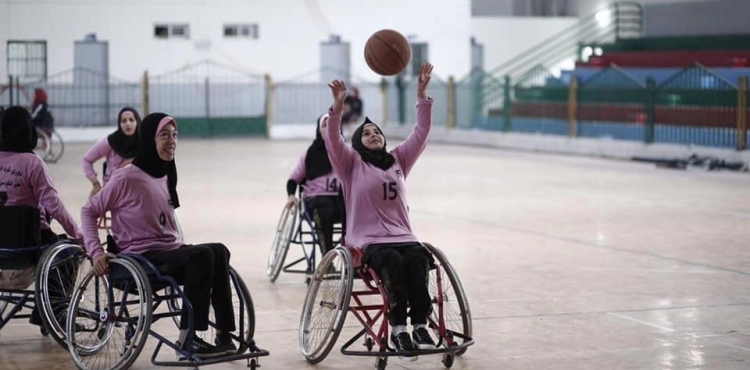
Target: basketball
(387, 52)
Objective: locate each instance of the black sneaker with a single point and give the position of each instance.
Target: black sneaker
(402, 343)
(422, 338)
(224, 341)
(200, 348)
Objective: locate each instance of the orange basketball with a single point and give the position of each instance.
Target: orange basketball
(387, 52)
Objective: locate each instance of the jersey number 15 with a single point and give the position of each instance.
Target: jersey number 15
(390, 191)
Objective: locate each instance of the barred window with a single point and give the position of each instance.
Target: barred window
(27, 59)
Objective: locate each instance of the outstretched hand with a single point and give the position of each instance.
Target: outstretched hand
(338, 90)
(424, 80)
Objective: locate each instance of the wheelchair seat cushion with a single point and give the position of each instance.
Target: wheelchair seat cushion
(17, 279)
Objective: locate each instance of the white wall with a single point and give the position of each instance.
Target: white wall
(290, 32)
(507, 37)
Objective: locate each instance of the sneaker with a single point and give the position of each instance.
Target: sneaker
(224, 341)
(402, 343)
(422, 338)
(200, 348)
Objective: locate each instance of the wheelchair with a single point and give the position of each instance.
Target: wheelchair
(110, 317)
(50, 146)
(296, 226)
(332, 295)
(53, 269)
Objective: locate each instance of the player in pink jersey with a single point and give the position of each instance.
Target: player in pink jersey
(142, 198)
(24, 177)
(373, 181)
(118, 148)
(321, 187)
(25, 181)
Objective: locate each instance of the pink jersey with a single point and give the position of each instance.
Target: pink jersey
(142, 217)
(25, 181)
(101, 150)
(320, 186)
(376, 203)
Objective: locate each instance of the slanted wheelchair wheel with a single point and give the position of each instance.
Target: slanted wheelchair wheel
(326, 305)
(280, 247)
(56, 148)
(110, 316)
(59, 268)
(455, 307)
(43, 144)
(242, 306)
(245, 316)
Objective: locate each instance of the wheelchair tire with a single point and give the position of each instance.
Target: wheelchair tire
(43, 147)
(246, 324)
(57, 148)
(326, 305)
(240, 299)
(455, 302)
(94, 332)
(57, 272)
(284, 232)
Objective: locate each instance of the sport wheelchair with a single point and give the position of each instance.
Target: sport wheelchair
(331, 295)
(50, 145)
(296, 226)
(53, 269)
(110, 317)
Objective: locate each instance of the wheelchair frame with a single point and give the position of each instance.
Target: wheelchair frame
(291, 230)
(40, 297)
(337, 269)
(134, 275)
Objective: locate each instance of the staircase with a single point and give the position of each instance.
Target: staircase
(611, 23)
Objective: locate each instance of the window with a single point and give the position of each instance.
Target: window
(249, 31)
(166, 31)
(27, 59)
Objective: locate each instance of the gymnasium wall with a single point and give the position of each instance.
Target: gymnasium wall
(290, 32)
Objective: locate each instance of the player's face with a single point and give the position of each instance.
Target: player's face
(128, 123)
(323, 126)
(372, 138)
(166, 142)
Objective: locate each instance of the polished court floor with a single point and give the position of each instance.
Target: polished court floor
(568, 262)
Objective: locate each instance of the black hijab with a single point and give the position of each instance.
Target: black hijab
(147, 158)
(316, 161)
(382, 158)
(17, 132)
(125, 146)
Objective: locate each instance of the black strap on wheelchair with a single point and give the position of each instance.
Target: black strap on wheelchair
(19, 230)
(112, 246)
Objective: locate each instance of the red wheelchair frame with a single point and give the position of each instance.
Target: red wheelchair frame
(453, 329)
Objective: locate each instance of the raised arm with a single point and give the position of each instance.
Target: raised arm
(409, 151)
(340, 154)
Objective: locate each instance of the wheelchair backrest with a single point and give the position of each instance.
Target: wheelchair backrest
(19, 230)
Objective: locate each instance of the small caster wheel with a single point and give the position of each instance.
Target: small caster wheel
(381, 362)
(448, 358)
(253, 364)
(369, 343)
